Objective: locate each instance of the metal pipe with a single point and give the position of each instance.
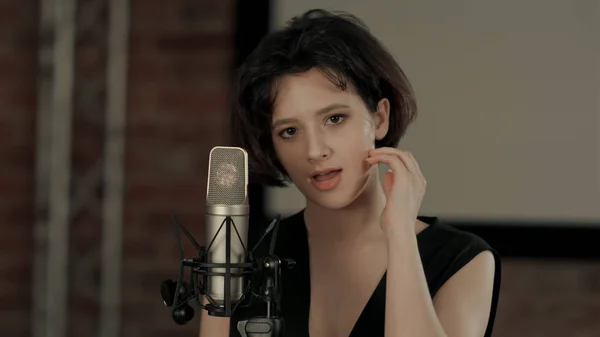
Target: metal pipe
(42, 162)
(116, 107)
(57, 266)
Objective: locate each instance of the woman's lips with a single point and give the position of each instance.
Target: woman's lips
(327, 180)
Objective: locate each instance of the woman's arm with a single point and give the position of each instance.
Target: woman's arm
(462, 305)
(211, 326)
(460, 308)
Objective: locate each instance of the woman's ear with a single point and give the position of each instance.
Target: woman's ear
(382, 119)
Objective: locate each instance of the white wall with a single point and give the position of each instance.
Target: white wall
(509, 98)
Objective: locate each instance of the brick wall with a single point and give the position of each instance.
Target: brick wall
(180, 60)
(18, 62)
(181, 54)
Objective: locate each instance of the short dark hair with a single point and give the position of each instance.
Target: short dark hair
(342, 48)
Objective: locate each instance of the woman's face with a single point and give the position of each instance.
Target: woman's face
(319, 128)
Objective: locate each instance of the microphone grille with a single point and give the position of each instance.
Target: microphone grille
(227, 176)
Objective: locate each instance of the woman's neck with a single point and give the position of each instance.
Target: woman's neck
(357, 221)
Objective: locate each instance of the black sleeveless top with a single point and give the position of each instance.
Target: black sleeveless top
(443, 250)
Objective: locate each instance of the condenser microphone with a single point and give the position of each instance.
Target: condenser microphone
(219, 271)
(226, 226)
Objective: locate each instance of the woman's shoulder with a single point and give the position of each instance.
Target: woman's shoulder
(445, 249)
(441, 235)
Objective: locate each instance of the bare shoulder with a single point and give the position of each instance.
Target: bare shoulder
(464, 303)
(464, 275)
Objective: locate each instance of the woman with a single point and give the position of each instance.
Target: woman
(321, 104)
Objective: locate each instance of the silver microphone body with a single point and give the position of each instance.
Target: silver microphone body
(226, 197)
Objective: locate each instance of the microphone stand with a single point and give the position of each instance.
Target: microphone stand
(272, 325)
(267, 269)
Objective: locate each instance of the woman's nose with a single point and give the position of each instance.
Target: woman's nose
(318, 148)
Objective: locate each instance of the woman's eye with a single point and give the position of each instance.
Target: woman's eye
(288, 132)
(335, 119)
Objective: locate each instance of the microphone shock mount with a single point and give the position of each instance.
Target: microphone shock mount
(264, 273)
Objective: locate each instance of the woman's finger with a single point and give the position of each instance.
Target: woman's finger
(405, 156)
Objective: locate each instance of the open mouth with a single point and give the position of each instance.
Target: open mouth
(324, 176)
(326, 180)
